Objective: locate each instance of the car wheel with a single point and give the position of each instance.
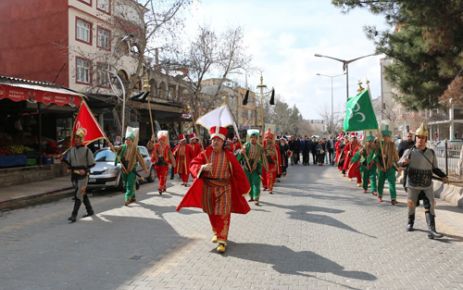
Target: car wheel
(152, 175)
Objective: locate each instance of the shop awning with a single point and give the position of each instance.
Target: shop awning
(34, 93)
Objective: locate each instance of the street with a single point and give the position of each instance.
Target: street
(317, 231)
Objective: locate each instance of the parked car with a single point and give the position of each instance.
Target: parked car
(105, 174)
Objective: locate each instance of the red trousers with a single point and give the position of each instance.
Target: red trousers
(161, 172)
(220, 226)
(271, 177)
(264, 179)
(184, 177)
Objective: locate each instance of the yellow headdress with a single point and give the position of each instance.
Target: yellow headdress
(422, 130)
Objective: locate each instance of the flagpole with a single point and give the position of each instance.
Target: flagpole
(151, 118)
(379, 128)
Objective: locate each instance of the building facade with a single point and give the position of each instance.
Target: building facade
(93, 47)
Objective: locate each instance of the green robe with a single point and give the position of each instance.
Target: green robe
(387, 172)
(255, 162)
(129, 179)
(367, 168)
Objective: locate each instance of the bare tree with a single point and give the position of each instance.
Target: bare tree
(201, 57)
(231, 55)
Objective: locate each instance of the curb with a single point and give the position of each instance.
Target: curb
(449, 193)
(39, 198)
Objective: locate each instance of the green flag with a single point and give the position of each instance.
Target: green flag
(359, 113)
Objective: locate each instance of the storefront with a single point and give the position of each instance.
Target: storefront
(35, 121)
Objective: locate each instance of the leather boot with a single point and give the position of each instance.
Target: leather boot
(432, 233)
(75, 210)
(88, 206)
(411, 221)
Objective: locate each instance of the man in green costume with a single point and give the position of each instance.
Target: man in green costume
(252, 154)
(387, 165)
(368, 158)
(128, 155)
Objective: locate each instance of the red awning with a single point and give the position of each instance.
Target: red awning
(18, 92)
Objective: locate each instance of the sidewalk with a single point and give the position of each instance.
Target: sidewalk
(17, 196)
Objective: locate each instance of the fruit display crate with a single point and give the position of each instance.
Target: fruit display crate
(12, 160)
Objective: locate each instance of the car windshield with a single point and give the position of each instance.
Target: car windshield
(105, 156)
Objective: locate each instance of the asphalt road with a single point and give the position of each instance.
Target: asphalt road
(317, 231)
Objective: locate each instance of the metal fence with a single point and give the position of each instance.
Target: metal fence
(448, 155)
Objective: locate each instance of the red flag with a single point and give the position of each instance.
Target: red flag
(86, 121)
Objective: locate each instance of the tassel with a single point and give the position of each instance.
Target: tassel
(272, 98)
(246, 96)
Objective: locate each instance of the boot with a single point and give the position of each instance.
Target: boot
(88, 206)
(411, 221)
(430, 220)
(75, 210)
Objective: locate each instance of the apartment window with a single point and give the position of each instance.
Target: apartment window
(83, 70)
(103, 38)
(88, 2)
(83, 31)
(102, 75)
(103, 5)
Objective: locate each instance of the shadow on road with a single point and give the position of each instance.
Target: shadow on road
(301, 212)
(286, 261)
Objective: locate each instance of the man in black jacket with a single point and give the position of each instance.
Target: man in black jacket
(406, 144)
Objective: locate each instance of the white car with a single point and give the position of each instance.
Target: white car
(105, 174)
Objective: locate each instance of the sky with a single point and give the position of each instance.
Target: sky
(282, 38)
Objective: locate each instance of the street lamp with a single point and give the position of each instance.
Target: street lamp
(114, 76)
(345, 66)
(331, 78)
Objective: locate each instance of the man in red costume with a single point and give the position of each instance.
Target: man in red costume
(353, 170)
(196, 148)
(162, 156)
(218, 187)
(272, 154)
(183, 155)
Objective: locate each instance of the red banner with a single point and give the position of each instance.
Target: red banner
(86, 121)
(18, 94)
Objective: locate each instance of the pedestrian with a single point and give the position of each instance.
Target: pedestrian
(313, 150)
(218, 187)
(162, 157)
(321, 152)
(387, 166)
(284, 152)
(253, 157)
(306, 145)
(79, 160)
(330, 149)
(422, 163)
(406, 144)
(129, 155)
(182, 153)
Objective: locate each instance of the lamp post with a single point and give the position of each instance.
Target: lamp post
(331, 79)
(115, 76)
(345, 66)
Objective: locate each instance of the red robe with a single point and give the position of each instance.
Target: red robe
(337, 148)
(354, 168)
(161, 170)
(239, 184)
(196, 148)
(347, 156)
(182, 167)
(279, 162)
